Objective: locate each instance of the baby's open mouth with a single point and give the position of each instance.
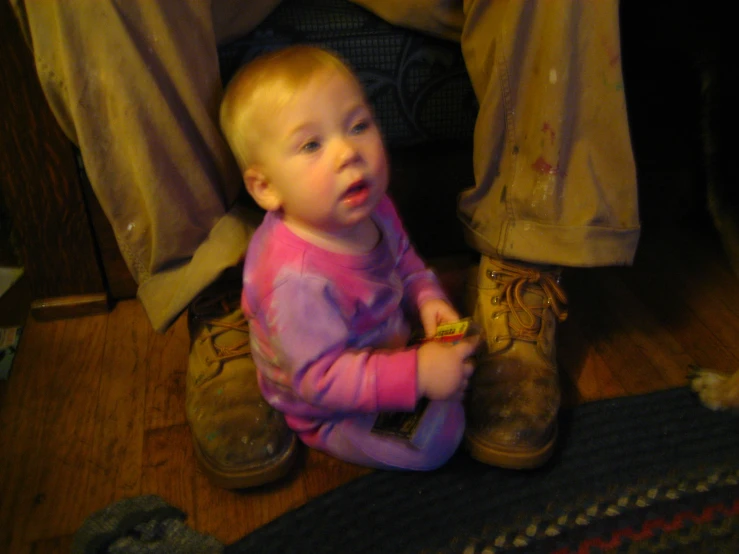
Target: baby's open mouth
(357, 193)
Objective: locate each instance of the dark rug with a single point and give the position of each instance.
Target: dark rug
(651, 473)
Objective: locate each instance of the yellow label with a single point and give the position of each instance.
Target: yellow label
(454, 329)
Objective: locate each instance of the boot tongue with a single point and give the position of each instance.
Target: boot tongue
(526, 322)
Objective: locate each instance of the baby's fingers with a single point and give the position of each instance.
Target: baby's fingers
(468, 367)
(468, 345)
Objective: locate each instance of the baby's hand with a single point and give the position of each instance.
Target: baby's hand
(433, 313)
(444, 369)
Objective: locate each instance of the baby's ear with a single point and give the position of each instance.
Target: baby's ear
(261, 189)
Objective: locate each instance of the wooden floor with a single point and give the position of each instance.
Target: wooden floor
(94, 410)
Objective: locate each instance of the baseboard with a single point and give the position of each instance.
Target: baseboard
(48, 309)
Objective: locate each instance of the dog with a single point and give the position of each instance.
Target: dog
(720, 117)
(716, 390)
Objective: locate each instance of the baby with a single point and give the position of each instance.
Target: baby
(331, 281)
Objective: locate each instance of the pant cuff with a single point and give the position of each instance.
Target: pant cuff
(167, 293)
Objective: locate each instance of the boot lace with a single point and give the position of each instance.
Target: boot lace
(518, 280)
(211, 311)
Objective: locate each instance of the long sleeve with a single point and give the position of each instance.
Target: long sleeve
(309, 328)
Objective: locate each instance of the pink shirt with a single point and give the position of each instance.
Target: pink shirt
(329, 331)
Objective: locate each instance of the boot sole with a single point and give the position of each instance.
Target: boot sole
(509, 458)
(251, 477)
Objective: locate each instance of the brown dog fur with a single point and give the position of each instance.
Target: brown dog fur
(716, 390)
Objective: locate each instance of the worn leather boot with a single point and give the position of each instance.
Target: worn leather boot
(514, 395)
(239, 440)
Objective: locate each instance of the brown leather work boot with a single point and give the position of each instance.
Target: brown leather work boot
(239, 440)
(514, 395)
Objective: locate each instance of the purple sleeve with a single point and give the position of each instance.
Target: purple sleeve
(310, 331)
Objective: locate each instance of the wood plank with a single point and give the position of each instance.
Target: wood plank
(59, 411)
(21, 413)
(608, 334)
(117, 449)
(166, 366)
(713, 296)
(664, 353)
(323, 473)
(229, 515)
(68, 428)
(685, 306)
(168, 466)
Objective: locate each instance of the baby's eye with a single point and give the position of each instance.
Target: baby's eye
(360, 126)
(310, 146)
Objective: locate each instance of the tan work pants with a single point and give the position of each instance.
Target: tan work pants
(135, 84)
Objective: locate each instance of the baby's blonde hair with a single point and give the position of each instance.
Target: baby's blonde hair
(264, 86)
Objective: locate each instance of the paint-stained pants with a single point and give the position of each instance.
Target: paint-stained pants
(135, 85)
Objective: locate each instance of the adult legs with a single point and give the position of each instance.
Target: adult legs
(555, 184)
(136, 86)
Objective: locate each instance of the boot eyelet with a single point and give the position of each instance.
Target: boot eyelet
(496, 339)
(495, 300)
(492, 275)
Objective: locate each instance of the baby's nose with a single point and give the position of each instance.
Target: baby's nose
(347, 152)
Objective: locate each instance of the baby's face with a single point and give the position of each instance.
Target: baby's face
(324, 156)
